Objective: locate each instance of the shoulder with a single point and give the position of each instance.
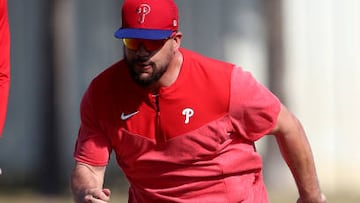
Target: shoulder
(107, 83)
(110, 74)
(110, 80)
(210, 67)
(106, 90)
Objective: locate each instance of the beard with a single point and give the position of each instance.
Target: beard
(151, 78)
(147, 77)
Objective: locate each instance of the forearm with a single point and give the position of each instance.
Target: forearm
(297, 153)
(84, 180)
(298, 156)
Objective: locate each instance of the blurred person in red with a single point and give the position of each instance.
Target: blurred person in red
(4, 62)
(182, 126)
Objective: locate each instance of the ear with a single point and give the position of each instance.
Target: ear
(177, 39)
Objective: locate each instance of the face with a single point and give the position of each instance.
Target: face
(148, 63)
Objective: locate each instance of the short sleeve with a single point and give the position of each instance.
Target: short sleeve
(253, 108)
(92, 146)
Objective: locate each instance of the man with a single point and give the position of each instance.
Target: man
(4, 62)
(182, 126)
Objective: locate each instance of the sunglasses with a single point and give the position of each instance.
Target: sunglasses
(148, 44)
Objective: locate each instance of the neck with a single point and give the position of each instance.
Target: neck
(171, 74)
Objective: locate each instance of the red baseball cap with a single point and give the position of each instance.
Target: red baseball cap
(148, 19)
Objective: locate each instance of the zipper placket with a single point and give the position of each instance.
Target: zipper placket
(158, 136)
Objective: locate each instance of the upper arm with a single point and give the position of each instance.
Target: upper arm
(92, 145)
(253, 107)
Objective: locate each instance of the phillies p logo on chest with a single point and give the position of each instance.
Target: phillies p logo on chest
(187, 112)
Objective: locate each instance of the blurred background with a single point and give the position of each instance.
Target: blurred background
(306, 52)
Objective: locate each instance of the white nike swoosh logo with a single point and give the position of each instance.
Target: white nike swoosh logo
(127, 116)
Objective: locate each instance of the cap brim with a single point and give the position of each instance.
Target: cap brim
(142, 33)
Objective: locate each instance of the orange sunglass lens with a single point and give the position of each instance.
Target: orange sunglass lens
(131, 43)
(149, 45)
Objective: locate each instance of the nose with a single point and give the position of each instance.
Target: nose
(142, 52)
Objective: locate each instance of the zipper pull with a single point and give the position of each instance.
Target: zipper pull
(156, 101)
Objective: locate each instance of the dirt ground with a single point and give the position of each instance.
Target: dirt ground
(28, 197)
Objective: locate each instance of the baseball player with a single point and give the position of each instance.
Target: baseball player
(182, 126)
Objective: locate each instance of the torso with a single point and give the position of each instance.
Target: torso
(184, 135)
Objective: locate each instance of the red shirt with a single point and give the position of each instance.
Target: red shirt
(4, 62)
(194, 142)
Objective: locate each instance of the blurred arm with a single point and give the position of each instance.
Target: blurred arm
(4, 61)
(87, 183)
(296, 151)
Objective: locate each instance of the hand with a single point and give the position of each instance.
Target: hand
(97, 196)
(322, 199)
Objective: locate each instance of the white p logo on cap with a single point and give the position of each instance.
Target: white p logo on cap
(143, 10)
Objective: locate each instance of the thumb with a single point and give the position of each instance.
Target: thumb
(107, 192)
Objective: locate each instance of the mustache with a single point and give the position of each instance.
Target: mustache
(142, 62)
(141, 59)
